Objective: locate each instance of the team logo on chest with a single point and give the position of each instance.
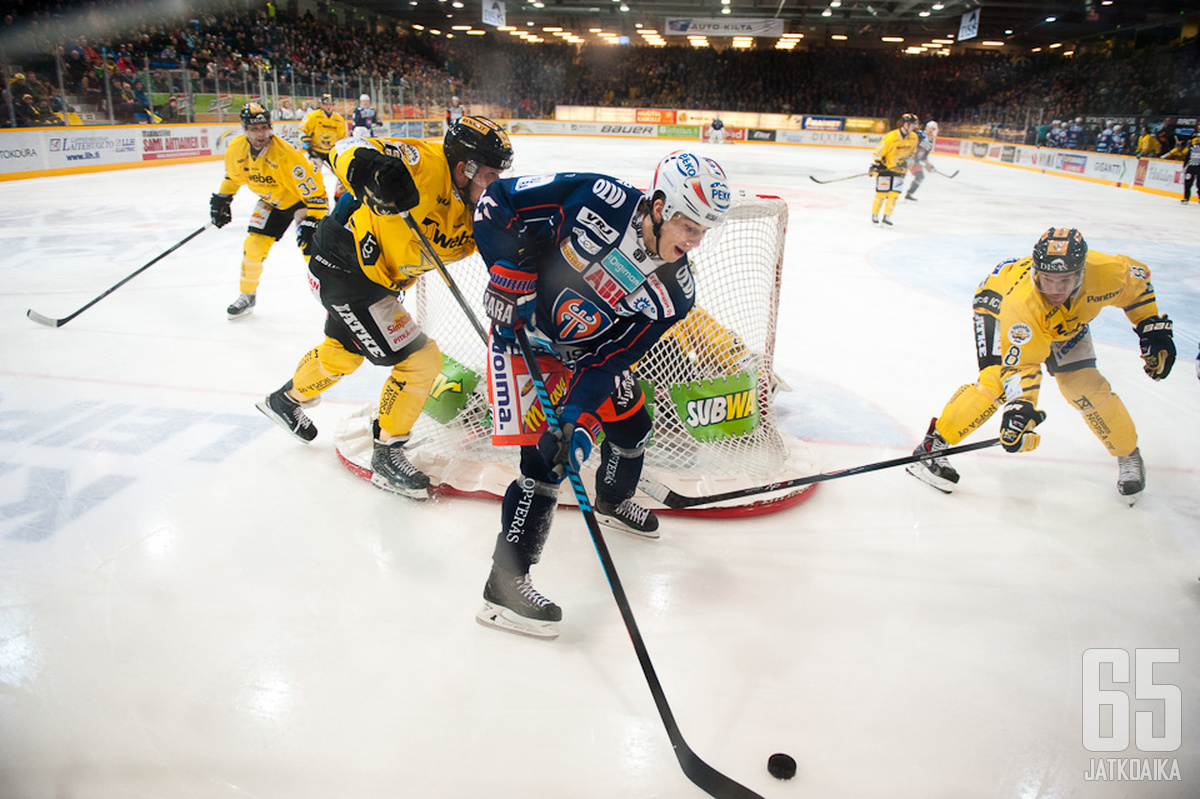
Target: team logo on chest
(577, 318)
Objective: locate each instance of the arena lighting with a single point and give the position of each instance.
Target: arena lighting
(460, 27)
(457, 4)
(1052, 19)
(725, 9)
(827, 13)
(1008, 32)
(891, 38)
(1056, 44)
(623, 7)
(1106, 2)
(551, 30)
(991, 44)
(923, 14)
(418, 27)
(839, 37)
(938, 6)
(835, 3)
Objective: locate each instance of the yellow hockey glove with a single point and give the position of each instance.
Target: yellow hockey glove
(1016, 426)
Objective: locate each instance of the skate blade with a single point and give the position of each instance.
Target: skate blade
(411, 493)
(1132, 498)
(929, 478)
(501, 618)
(621, 527)
(270, 414)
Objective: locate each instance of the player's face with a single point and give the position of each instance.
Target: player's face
(327, 106)
(484, 177)
(1057, 289)
(259, 134)
(678, 236)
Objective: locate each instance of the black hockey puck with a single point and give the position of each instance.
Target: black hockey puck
(781, 766)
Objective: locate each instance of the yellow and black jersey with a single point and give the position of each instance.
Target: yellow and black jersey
(896, 150)
(320, 131)
(279, 174)
(388, 253)
(1029, 325)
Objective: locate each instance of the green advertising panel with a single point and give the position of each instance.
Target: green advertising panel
(714, 409)
(450, 390)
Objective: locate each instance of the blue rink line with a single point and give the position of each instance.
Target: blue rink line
(951, 267)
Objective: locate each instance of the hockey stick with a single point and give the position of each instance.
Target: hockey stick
(816, 179)
(703, 775)
(669, 498)
(48, 322)
(427, 249)
(936, 171)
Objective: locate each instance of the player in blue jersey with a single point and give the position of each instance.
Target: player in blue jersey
(596, 272)
(926, 141)
(365, 119)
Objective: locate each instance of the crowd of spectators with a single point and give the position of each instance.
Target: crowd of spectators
(232, 43)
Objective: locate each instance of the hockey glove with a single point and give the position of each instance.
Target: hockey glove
(305, 229)
(877, 168)
(1158, 345)
(381, 181)
(1016, 426)
(509, 299)
(570, 444)
(218, 210)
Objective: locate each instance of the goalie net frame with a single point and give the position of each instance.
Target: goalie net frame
(709, 383)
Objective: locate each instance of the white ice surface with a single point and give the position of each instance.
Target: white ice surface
(194, 605)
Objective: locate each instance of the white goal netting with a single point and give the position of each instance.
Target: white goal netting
(709, 382)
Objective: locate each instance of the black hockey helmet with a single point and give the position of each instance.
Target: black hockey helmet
(910, 119)
(478, 140)
(254, 114)
(1060, 251)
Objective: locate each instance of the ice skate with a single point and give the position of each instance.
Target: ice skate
(910, 197)
(242, 306)
(392, 471)
(875, 218)
(627, 517)
(279, 407)
(512, 604)
(936, 472)
(1131, 476)
(887, 220)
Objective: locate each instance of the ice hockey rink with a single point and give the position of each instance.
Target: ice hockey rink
(193, 604)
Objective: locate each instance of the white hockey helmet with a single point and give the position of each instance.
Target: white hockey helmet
(931, 127)
(693, 186)
(365, 99)
(454, 100)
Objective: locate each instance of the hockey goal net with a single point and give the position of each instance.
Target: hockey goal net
(709, 383)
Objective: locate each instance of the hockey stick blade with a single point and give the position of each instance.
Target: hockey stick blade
(42, 320)
(815, 179)
(704, 776)
(666, 496)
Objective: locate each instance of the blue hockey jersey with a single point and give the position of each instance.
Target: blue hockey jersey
(602, 299)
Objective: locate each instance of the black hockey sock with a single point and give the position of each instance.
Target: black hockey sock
(525, 518)
(618, 472)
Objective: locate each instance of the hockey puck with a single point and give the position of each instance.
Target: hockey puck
(781, 766)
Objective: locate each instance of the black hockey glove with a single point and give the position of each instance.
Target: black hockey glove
(570, 444)
(218, 210)
(1158, 345)
(877, 168)
(305, 229)
(381, 181)
(1016, 426)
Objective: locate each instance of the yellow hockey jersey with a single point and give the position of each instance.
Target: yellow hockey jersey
(1028, 324)
(279, 174)
(388, 253)
(896, 151)
(320, 131)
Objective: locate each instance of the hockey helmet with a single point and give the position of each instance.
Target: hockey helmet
(365, 99)
(931, 128)
(1060, 251)
(693, 186)
(254, 114)
(479, 141)
(326, 98)
(909, 119)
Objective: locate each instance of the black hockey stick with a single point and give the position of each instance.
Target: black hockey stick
(427, 249)
(703, 775)
(937, 171)
(816, 179)
(48, 322)
(669, 498)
